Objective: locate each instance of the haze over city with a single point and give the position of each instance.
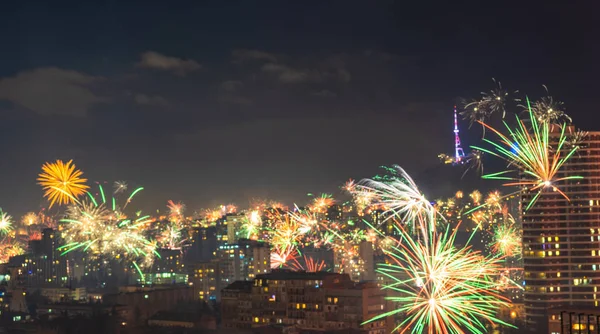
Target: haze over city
(299, 167)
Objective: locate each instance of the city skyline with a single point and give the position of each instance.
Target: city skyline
(346, 166)
(206, 114)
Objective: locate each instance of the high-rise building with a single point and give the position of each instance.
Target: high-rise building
(561, 238)
(43, 264)
(204, 244)
(205, 278)
(234, 224)
(244, 260)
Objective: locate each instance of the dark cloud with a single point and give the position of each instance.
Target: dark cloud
(245, 55)
(231, 85)
(324, 93)
(156, 100)
(52, 91)
(179, 66)
(229, 98)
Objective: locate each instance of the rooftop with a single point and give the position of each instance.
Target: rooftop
(284, 274)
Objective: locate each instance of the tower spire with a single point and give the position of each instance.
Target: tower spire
(458, 151)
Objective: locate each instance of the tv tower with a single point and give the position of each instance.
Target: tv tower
(459, 154)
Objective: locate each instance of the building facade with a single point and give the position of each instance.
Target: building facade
(561, 238)
(309, 301)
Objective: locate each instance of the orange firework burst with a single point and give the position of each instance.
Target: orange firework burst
(30, 218)
(322, 203)
(62, 182)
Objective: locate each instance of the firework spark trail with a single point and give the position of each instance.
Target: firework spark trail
(62, 182)
(175, 211)
(30, 218)
(507, 240)
(94, 228)
(490, 103)
(531, 153)
(442, 289)
(321, 203)
(310, 264)
(119, 187)
(9, 248)
(251, 225)
(402, 198)
(438, 287)
(547, 109)
(281, 256)
(5, 223)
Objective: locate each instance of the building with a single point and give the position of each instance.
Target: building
(204, 244)
(43, 264)
(234, 224)
(56, 295)
(205, 279)
(356, 260)
(168, 261)
(182, 320)
(236, 305)
(573, 321)
(244, 260)
(561, 239)
(147, 301)
(309, 301)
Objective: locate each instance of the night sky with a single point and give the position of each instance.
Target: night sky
(222, 101)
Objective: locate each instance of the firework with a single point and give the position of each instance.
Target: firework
(30, 218)
(507, 240)
(349, 186)
(62, 182)
(10, 248)
(490, 103)
(119, 187)
(103, 230)
(34, 235)
(284, 232)
(306, 221)
(321, 203)
(401, 197)
(575, 138)
(251, 225)
(473, 161)
(229, 208)
(175, 210)
(5, 223)
(532, 155)
(548, 110)
(212, 215)
(441, 288)
(171, 237)
(281, 256)
(310, 265)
